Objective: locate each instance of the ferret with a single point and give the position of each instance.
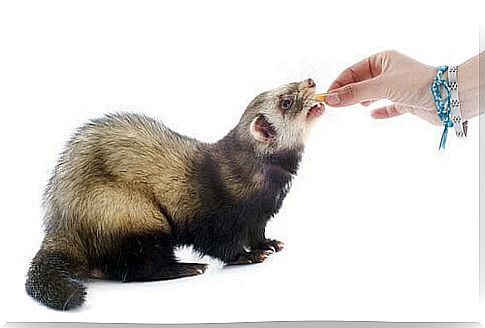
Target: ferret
(127, 190)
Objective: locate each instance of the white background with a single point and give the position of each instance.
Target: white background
(379, 225)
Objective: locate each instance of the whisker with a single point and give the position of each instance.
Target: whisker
(67, 301)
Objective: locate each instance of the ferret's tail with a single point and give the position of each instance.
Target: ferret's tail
(54, 279)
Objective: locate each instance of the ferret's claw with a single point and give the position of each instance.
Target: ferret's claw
(272, 245)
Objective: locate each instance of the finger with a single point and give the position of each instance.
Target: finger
(355, 93)
(388, 112)
(363, 70)
(368, 102)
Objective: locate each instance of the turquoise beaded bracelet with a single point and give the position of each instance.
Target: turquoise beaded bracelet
(442, 102)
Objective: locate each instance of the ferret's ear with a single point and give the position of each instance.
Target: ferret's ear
(262, 130)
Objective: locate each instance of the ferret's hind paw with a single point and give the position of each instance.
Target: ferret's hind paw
(173, 271)
(194, 268)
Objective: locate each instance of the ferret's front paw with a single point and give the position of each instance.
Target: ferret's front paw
(256, 256)
(271, 245)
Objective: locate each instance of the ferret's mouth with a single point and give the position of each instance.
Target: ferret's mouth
(315, 110)
(314, 102)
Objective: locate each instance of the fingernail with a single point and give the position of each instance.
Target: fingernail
(332, 99)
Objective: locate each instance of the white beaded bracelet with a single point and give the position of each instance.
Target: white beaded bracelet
(458, 122)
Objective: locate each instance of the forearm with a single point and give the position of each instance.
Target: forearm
(469, 85)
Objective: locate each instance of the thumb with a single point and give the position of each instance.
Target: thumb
(353, 93)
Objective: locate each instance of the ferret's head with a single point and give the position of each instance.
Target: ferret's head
(279, 119)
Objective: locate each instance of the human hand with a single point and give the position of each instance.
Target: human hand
(387, 75)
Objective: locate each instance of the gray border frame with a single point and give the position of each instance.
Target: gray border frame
(346, 324)
(275, 324)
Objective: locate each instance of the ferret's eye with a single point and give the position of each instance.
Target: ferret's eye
(286, 103)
